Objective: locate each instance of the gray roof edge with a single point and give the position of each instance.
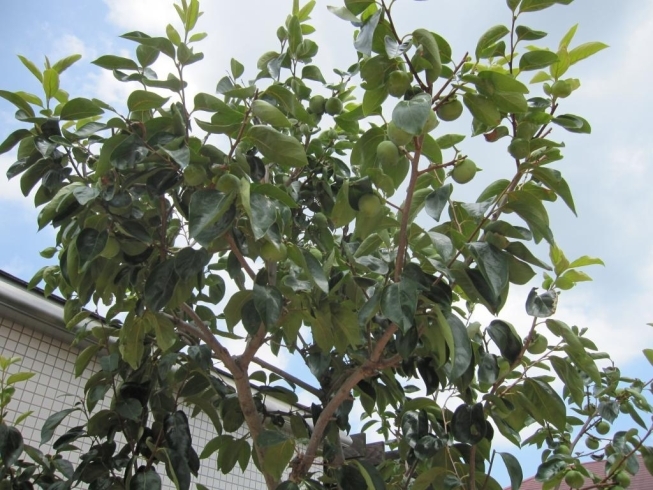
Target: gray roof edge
(32, 309)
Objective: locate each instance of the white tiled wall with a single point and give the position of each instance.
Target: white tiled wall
(55, 388)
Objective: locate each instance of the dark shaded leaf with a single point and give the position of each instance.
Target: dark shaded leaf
(52, 422)
(160, 285)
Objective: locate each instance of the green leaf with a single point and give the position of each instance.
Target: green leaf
(536, 60)
(52, 422)
(164, 329)
(483, 109)
(573, 124)
(520, 251)
(550, 468)
(269, 438)
(535, 5)
(647, 456)
(504, 336)
(585, 51)
(411, 115)
(84, 357)
(363, 42)
(268, 302)
(541, 305)
(399, 303)
(50, 82)
(449, 140)
(90, 244)
(13, 139)
(533, 212)
(18, 101)
(141, 100)
(575, 349)
(277, 459)
(431, 150)
(315, 271)
(358, 6)
(64, 63)
(514, 470)
(437, 200)
(145, 479)
(527, 34)
(649, 355)
(79, 108)
(32, 68)
(160, 43)
(549, 403)
(278, 147)
(462, 354)
(468, 423)
(129, 409)
(205, 208)
(263, 214)
(269, 114)
(18, 377)
(553, 180)
(11, 446)
(490, 37)
(160, 285)
(585, 261)
(189, 262)
(343, 13)
(493, 264)
(570, 377)
(312, 72)
(373, 98)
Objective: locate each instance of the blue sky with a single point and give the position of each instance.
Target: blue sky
(608, 172)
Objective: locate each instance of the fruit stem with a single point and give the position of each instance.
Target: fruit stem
(446, 84)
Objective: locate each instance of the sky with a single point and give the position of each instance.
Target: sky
(608, 171)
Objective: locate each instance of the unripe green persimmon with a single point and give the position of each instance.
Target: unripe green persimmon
(387, 153)
(194, 175)
(431, 123)
(333, 106)
(603, 427)
(228, 183)
(574, 479)
(623, 479)
(398, 136)
(369, 205)
(592, 443)
(316, 104)
(398, 83)
(273, 253)
(563, 449)
(538, 345)
(450, 111)
(561, 89)
(464, 171)
(519, 148)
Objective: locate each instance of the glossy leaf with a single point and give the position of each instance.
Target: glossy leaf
(141, 100)
(280, 148)
(411, 115)
(490, 37)
(52, 422)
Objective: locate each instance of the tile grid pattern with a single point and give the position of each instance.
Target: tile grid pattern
(55, 388)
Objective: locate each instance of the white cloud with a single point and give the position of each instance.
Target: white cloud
(144, 15)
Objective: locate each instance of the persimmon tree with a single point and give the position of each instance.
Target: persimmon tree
(324, 207)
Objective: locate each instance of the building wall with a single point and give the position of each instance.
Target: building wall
(55, 388)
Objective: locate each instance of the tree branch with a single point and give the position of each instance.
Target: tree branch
(236, 251)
